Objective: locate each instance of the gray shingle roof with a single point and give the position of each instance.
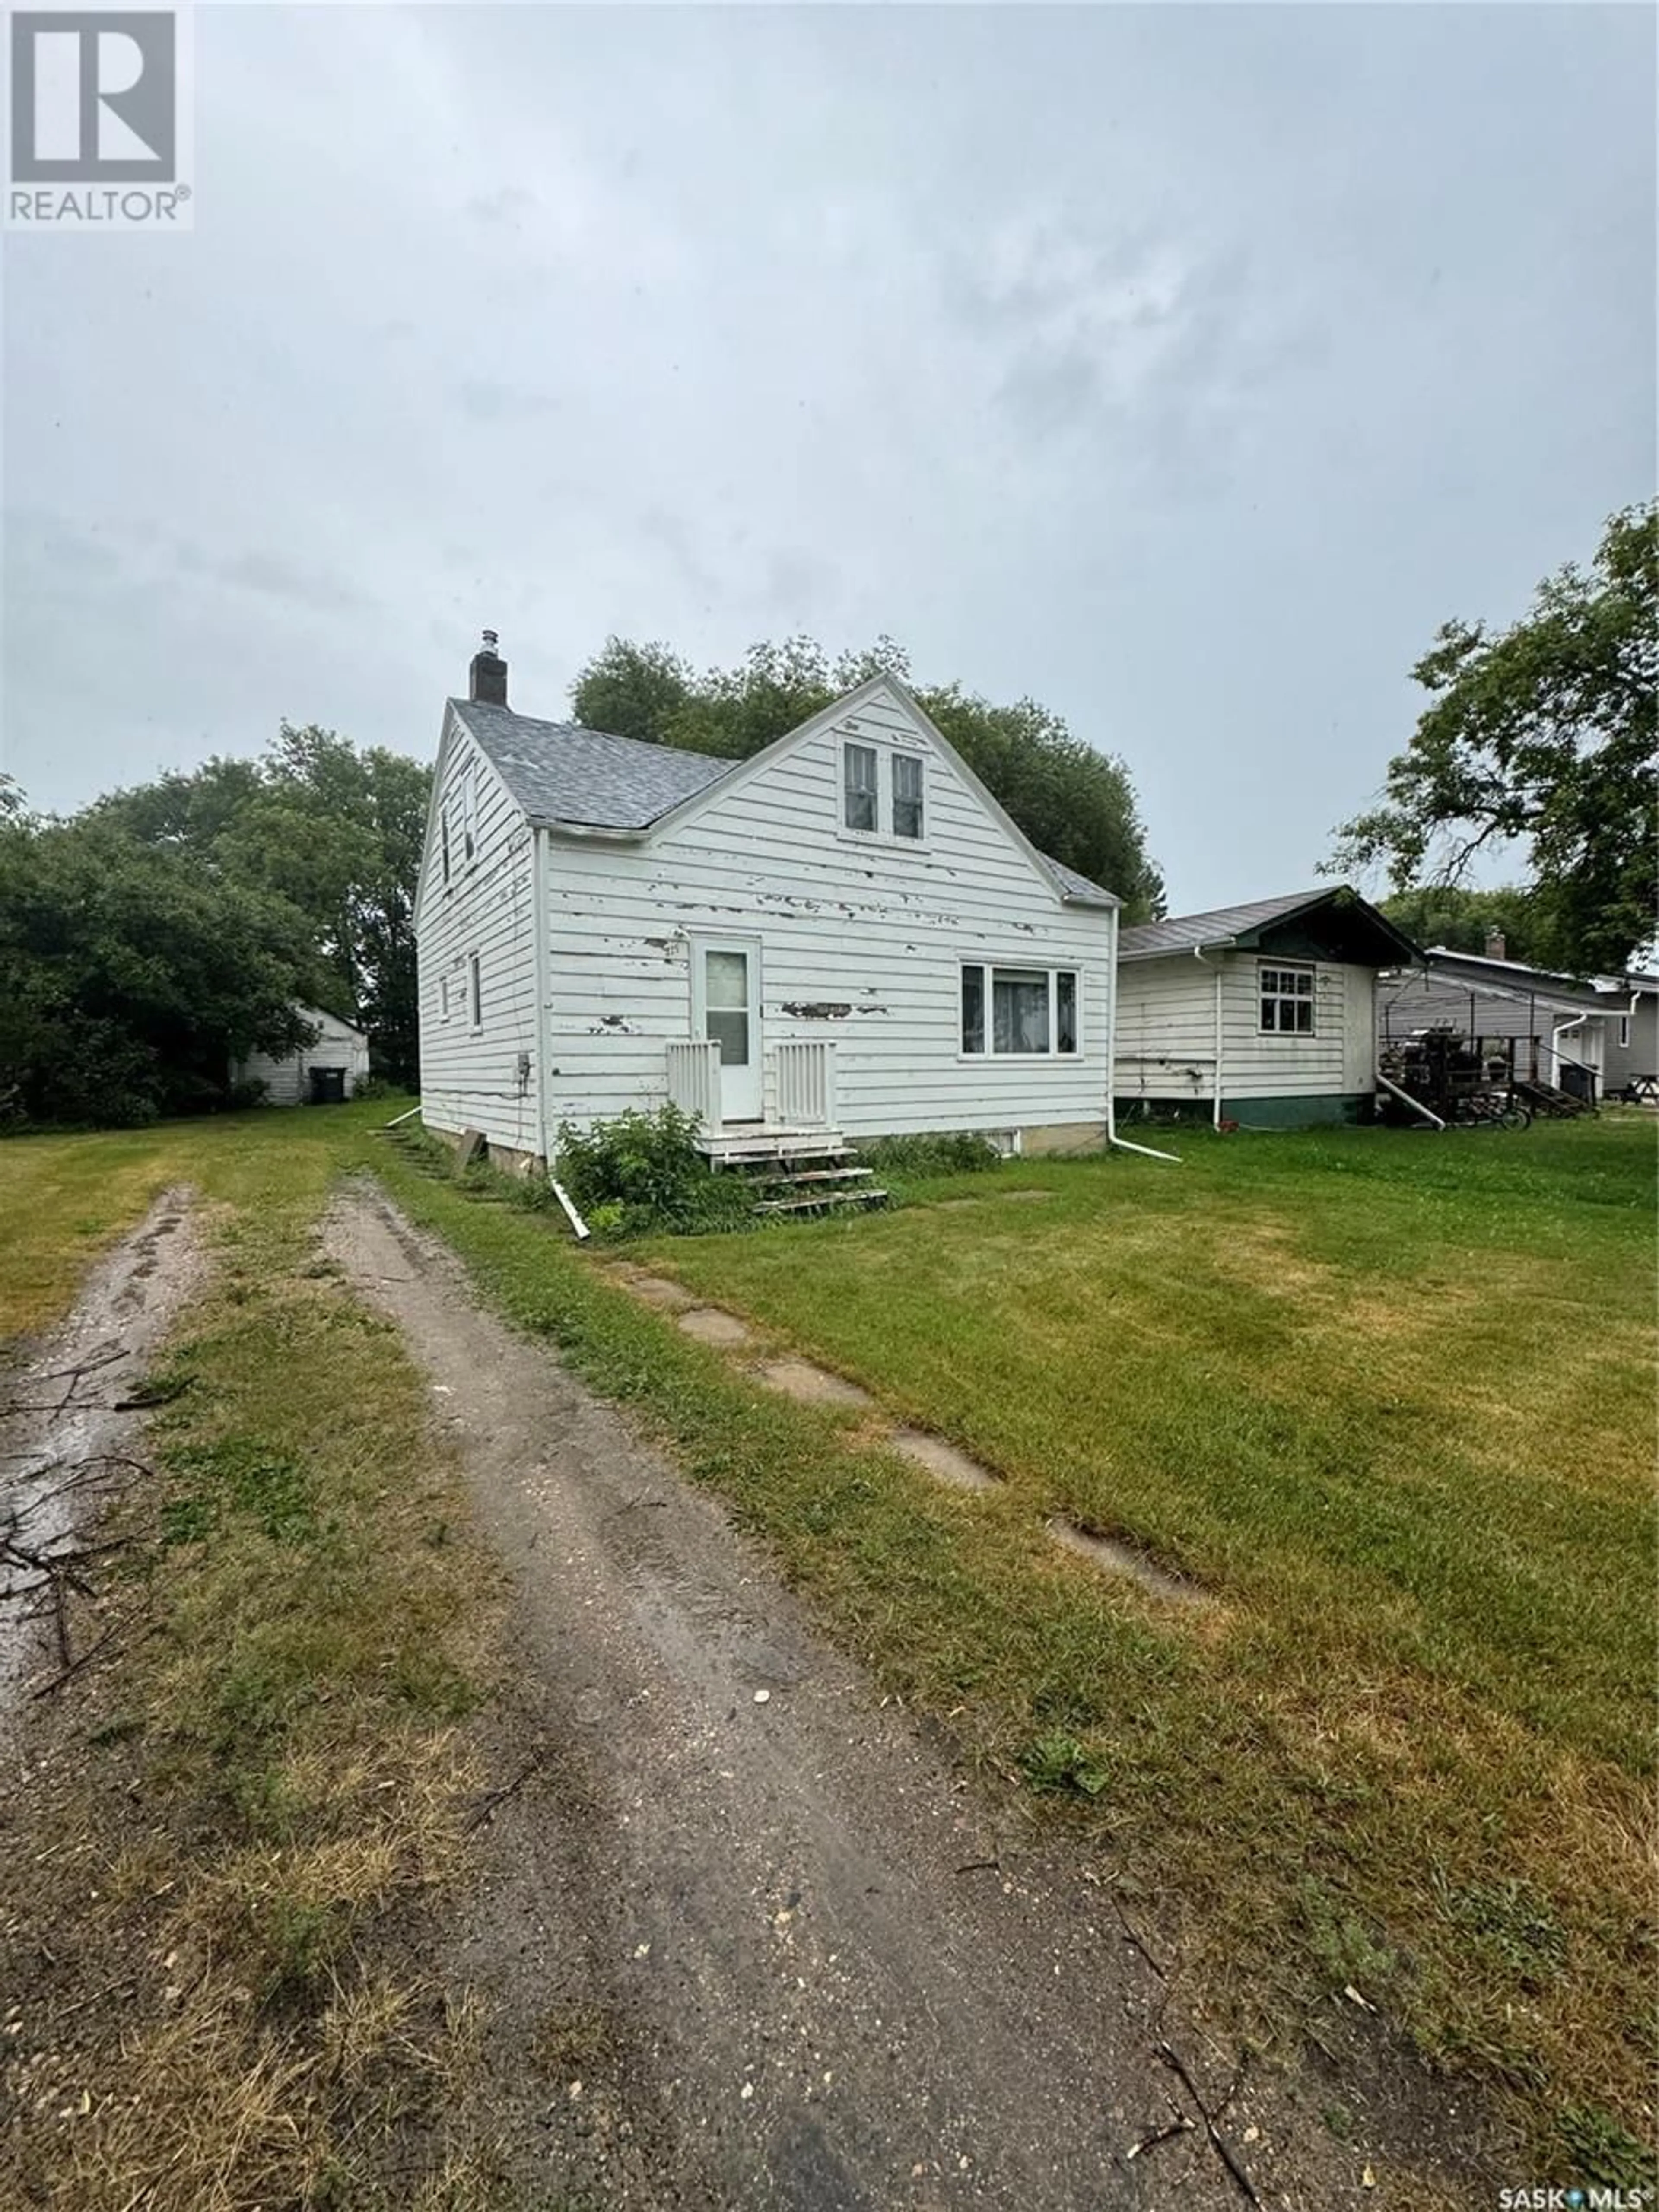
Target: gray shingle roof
(1182, 932)
(1074, 886)
(561, 772)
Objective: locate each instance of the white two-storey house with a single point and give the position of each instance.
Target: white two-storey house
(844, 934)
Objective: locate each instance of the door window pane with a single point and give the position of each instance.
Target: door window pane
(1019, 1010)
(726, 979)
(725, 1005)
(730, 1031)
(858, 767)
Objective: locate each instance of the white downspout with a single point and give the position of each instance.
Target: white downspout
(1556, 1035)
(1198, 955)
(1406, 1099)
(541, 971)
(1112, 1137)
(539, 983)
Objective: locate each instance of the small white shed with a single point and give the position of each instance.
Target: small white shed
(334, 1066)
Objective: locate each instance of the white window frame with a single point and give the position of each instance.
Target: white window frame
(1624, 1032)
(443, 843)
(987, 971)
(475, 993)
(901, 755)
(444, 1008)
(849, 746)
(1281, 997)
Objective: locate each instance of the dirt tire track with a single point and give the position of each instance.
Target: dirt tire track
(730, 1902)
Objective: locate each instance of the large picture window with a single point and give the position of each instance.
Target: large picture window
(1287, 1001)
(1018, 1013)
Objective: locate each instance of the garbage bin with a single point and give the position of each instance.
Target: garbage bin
(328, 1086)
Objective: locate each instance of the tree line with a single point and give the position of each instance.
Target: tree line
(152, 941)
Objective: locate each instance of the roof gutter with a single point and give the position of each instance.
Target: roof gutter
(1175, 951)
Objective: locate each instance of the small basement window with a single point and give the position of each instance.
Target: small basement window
(475, 991)
(1033, 1011)
(860, 788)
(907, 794)
(1287, 1001)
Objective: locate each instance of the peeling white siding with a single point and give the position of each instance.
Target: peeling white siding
(1166, 1030)
(472, 1078)
(862, 940)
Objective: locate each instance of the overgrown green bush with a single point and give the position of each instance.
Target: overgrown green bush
(643, 1172)
(939, 1152)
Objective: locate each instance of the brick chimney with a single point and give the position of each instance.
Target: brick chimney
(487, 679)
(1494, 936)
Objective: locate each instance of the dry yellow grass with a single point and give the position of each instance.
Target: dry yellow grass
(249, 1821)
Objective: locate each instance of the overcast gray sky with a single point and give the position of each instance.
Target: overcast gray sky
(1181, 367)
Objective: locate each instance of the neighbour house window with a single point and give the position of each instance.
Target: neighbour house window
(443, 998)
(907, 795)
(1287, 1001)
(443, 839)
(859, 802)
(1033, 1011)
(1624, 1032)
(475, 991)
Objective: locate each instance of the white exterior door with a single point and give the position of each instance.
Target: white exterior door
(1358, 1031)
(725, 1008)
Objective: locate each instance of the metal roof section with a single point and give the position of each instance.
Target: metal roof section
(1241, 928)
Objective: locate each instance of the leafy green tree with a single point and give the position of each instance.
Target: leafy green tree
(1541, 735)
(130, 978)
(1443, 913)
(333, 832)
(1072, 802)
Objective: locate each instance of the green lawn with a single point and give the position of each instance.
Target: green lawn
(1387, 1397)
(1390, 1398)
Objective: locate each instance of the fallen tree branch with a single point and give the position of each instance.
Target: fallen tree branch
(74, 1666)
(1180, 2125)
(495, 1798)
(1223, 2150)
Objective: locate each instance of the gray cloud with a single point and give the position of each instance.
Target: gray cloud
(1183, 367)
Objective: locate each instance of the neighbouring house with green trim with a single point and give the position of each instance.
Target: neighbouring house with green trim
(1263, 1014)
